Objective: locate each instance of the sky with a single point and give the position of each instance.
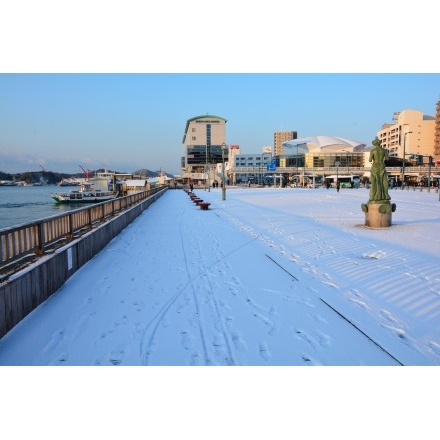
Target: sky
(125, 122)
(119, 101)
(260, 287)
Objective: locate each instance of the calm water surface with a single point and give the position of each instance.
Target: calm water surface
(22, 204)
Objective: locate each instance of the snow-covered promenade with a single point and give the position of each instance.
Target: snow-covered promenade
(268, 277)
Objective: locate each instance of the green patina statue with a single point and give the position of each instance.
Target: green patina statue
(379, 177)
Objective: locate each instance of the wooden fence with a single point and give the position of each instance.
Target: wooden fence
(24, 290)
(35, 237)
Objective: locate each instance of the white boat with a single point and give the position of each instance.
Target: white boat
(94, 190)
(68, 182)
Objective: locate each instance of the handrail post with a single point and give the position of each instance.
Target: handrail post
(70, 233)
(40, 248)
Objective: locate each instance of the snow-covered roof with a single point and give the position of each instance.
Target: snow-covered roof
(322, 143)
(135, 182)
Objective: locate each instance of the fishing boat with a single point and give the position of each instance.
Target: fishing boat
(94, 190)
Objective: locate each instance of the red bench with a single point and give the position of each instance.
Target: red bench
(204, 206)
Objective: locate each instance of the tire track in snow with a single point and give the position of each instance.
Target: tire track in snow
(204, 270)
(153, 325)
(147, 343)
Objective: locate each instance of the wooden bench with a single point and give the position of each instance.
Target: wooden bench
(204, 206)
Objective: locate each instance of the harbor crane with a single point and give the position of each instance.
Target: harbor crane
(86, 172)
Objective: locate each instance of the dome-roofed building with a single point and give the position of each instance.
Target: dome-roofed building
(323, 151)
(324, 144)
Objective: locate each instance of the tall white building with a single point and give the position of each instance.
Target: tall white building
(202, 142)
(419, 139)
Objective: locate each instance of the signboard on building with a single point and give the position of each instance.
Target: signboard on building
(267, 149)
(220, 167)
(272, 166)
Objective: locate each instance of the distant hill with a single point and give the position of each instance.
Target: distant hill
(148, 173)
(53, 178)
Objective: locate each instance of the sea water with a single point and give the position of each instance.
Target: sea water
(23, 204)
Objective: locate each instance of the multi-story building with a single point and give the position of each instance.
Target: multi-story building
(282, 136)
(411, 131)
(202, 143)
(323, 152)
(255, 165)
(233, 151)
(437, 134)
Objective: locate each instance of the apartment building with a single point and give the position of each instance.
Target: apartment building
(202, 142)
(256, 164)
(234, 150)
(282, 136)
(411, 130)
(437, 134)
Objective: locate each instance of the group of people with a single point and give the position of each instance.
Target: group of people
(214, 185)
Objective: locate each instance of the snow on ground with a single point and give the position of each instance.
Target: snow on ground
(269, 277)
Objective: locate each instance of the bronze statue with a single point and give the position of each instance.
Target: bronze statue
(379, 176)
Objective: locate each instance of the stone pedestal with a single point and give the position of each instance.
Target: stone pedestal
(378, 214)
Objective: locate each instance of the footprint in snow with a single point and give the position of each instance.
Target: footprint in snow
(386, 314)
(374, 255)
(185, 339)
(264, 351)
(116, 357)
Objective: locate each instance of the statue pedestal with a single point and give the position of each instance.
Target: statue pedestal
(378, 214)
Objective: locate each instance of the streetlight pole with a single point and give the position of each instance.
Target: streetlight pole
(223, 172)
(207, 170)
(337, 173)
(297, 176)
(429, 173)
(346, 160)
(404, 155)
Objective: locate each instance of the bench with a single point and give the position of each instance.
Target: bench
(204, 206)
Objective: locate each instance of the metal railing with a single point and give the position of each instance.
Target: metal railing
(421, 169)
(32, 238)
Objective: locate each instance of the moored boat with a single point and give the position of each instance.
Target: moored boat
(7, 183)
(93, 191)
(68, 182)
